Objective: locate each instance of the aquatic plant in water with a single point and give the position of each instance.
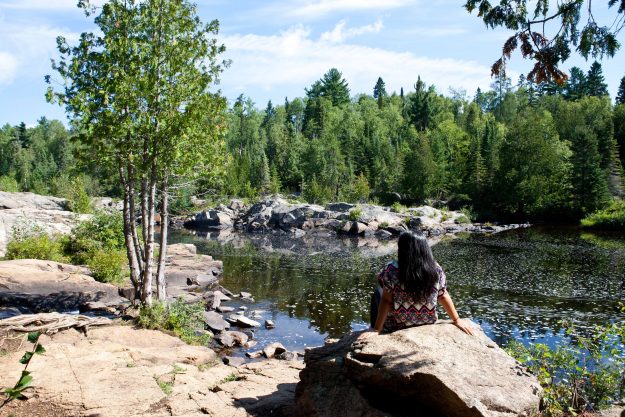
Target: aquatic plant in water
(586, 375)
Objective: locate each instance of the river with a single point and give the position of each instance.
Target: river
(516, 285)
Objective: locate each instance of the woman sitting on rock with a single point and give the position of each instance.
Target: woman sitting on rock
(410, 289)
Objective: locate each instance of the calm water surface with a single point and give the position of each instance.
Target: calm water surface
(518, 284)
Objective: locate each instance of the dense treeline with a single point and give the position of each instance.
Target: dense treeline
(529, 151)
(41, 159)
(534, 151)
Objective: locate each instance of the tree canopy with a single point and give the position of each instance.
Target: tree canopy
(546, 32)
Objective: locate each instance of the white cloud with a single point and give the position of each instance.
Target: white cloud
(39, 4)
(44, 5)
(292, 60)
(340, 34)
(8, 68)
(322, 7)
(436, 31)
(31, 47)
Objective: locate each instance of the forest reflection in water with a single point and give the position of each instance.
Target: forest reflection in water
(519, 284)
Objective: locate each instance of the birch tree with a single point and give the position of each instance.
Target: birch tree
(140, 93)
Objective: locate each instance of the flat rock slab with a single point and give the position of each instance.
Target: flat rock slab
(215, 321)
(188, 272)
(436, 369)
(113, 372)
(242, 321)
(43, 286)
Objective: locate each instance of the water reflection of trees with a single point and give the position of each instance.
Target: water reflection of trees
(517, 285)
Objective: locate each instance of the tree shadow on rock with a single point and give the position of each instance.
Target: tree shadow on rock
(280, 403)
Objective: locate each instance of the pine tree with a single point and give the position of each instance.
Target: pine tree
(334, 87)
(576, 85)
(22, 136)
(595, 81)
(620, 95)
(379, 92)
(421, 106)
(590, 187)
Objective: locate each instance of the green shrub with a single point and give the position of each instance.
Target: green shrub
(108, 266)
(612, 218)
(9, 184)
(398, 207)
(34, 244)
(587, 375)
(361, 190)
(462, 219)
(184, 320)
(180, 202)
(74, 190)
(355, 214)
(153, 316)
(468, 213)
(102, 232)
(445, 215)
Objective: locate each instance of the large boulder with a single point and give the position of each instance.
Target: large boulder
(434, 370)
(31, 201)
(211, 219)
(43, 286)
(29, 210)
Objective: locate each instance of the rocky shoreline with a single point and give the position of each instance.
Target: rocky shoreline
(277, 215)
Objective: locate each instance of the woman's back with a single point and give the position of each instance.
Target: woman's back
(410, 308)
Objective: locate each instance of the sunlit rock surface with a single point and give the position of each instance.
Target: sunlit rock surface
(34, 286)
(433, 370)
(119, 371)
(28, 210)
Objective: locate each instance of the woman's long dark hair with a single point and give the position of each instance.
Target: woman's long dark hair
(417, 267)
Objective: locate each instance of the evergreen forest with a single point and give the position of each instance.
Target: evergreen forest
(521, 151)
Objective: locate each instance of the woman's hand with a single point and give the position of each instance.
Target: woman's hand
(464, 326)
(367, 334)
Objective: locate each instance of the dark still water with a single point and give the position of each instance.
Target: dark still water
(518, 284)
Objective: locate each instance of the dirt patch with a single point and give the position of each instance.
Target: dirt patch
(33, 408)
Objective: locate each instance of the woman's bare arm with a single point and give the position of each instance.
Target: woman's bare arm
(448, 305)
(385, 306)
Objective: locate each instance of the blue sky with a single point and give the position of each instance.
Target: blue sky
(279, 47)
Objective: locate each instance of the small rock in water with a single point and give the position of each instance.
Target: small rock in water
(215, 322)
(232, 338)
(233, 361)
(254, 355)
(273, 349)
(287, 356)
(251, 343)
(221, 296)
(244, 294)
(242, 308)
(269, 324)
(242, 321)
(226, 291)
(225, 309)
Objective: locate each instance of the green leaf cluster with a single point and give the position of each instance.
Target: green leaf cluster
(586, 375)
(186, 321)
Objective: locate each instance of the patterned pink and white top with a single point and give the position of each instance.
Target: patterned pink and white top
(408, 308)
